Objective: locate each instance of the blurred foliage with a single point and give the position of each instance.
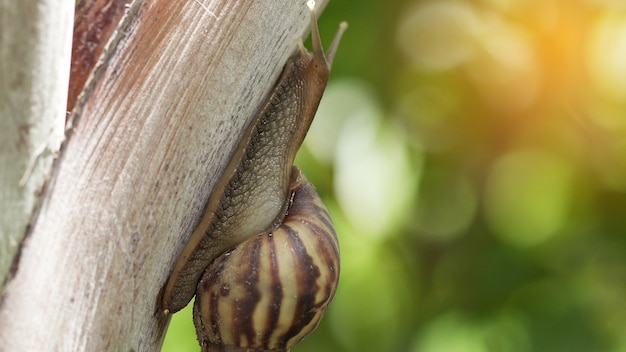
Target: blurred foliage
(473, 156)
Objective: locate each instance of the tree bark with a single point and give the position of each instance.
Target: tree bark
(35, 42)
(148, 139)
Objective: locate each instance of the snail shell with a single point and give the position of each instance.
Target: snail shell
(271, 291)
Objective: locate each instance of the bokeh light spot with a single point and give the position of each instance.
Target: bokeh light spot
(506, 72)
(528, 196)
(455, 332)
(375, 179)
(342, 99)
(438, 35)
(606, 57)
(368, 309)
(446, 206)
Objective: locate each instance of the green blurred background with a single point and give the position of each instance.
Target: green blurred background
(473, 156)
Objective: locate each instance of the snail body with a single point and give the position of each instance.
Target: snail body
(271, 291)
(252, 195)
(264, 260)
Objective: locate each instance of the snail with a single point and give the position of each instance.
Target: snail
(264, 260)
(271, 291)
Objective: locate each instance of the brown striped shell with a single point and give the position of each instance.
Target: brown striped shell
(271, 291)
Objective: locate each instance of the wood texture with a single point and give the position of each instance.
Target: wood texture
(35, 41)
(150, 136)
(95, 23)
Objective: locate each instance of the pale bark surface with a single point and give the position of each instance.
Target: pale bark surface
(35, 41)
(150, 137)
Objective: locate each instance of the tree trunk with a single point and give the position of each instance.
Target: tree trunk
(148, 138)
(35, 41)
